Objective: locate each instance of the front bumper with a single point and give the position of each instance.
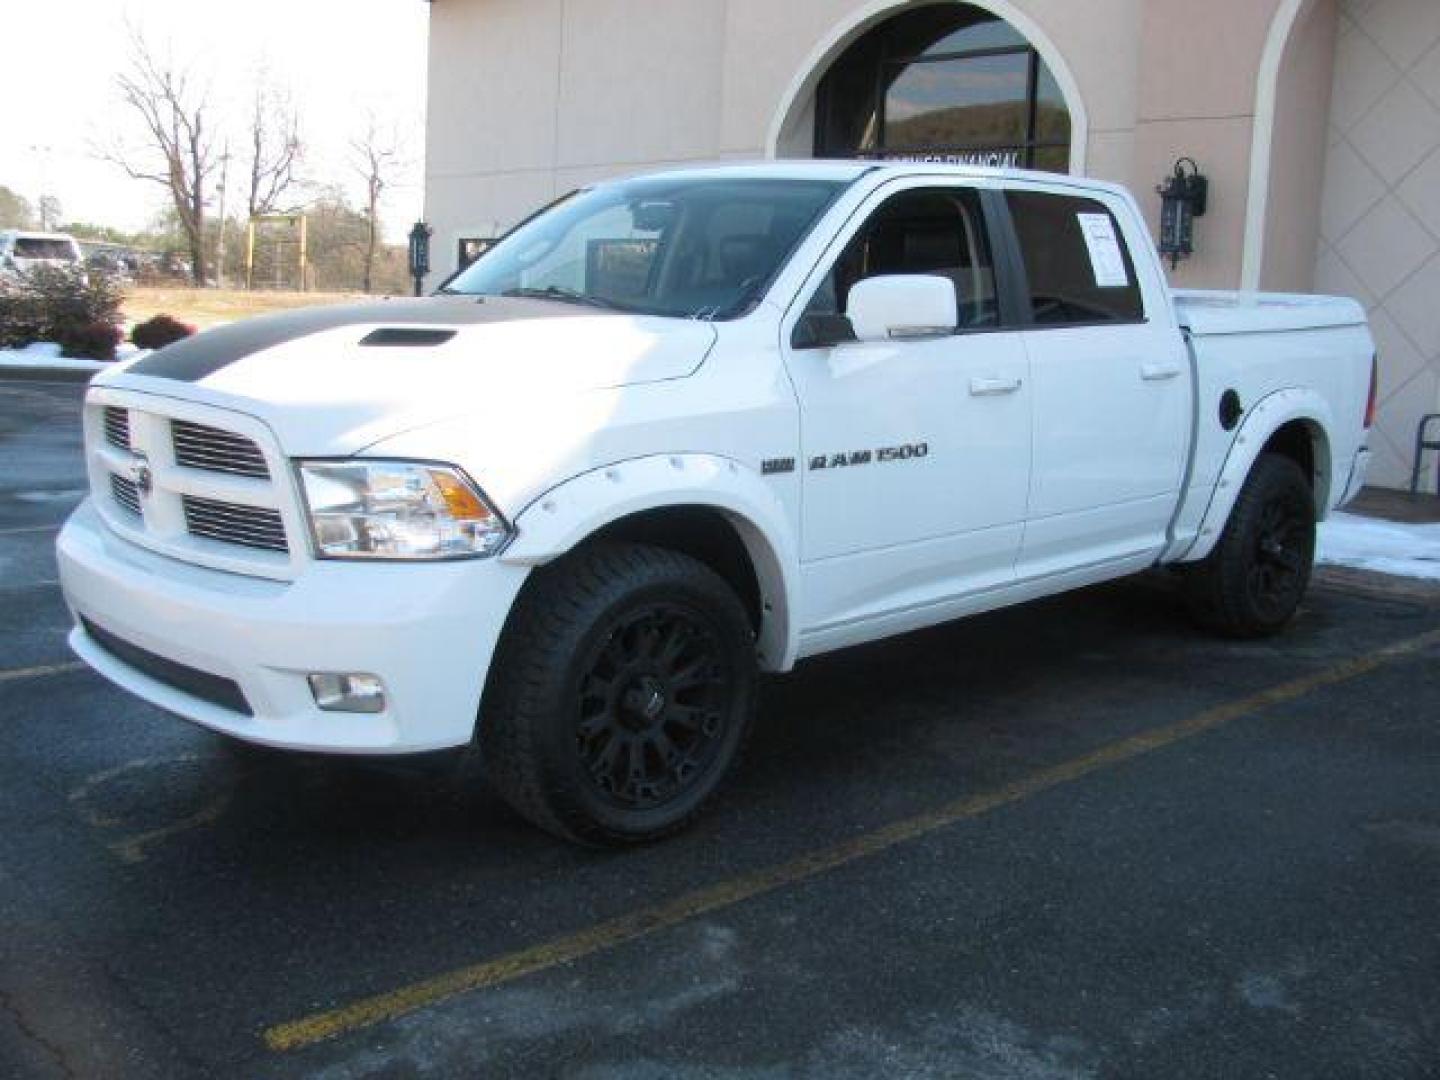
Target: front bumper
(428, 630)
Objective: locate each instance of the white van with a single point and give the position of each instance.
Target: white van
(21, 251)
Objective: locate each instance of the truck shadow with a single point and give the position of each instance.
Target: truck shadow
(870, 728)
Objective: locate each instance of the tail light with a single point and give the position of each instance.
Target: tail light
(1374, 389)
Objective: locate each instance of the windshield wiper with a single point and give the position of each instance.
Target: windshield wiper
(564, 295)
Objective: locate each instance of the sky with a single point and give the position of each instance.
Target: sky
(340, 61)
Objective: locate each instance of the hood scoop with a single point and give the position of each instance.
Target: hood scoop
(414, 337)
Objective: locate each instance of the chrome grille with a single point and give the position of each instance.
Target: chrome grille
(200, 447)
(126, 493)
(117, 427)
(234, 523)
(189, 485)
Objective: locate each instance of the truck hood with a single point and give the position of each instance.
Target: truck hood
(334, 380)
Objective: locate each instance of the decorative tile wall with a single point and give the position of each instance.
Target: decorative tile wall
(1380, 212)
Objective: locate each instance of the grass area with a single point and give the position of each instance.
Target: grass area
(209, 307)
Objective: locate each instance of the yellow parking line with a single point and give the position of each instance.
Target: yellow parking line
(12, 674)
(601, 937)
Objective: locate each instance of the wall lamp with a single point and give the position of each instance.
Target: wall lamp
(1182, 200)
(420, 234)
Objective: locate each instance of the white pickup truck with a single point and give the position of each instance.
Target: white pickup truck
(677, 430)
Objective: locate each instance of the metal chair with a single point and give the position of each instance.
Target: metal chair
(1421, 445)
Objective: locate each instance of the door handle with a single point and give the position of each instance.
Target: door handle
(1156, 372)
(992, 387)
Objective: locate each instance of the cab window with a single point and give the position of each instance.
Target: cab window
(1076, 262)
(937, 231)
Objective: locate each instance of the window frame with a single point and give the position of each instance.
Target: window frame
(890, 60)
(461, 240)
(1020, 278)
(1024, 148)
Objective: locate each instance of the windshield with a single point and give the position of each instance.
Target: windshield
(703, 248)
(32, 248)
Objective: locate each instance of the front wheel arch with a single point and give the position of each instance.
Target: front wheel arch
(633, 494)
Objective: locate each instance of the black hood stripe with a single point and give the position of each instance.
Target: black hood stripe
(204, 354)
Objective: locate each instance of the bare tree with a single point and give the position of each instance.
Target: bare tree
(275, 148)
(177, 152)
(374, 157)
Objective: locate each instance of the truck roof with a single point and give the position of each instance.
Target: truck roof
(852, 169)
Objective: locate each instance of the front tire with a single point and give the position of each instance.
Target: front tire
(620, 695)
(1252, 583)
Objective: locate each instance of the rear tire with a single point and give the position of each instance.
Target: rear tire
(1252, 583)
(620, 695)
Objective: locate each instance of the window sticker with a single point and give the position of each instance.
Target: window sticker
(1106, 259)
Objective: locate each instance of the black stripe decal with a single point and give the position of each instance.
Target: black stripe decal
(194, 358)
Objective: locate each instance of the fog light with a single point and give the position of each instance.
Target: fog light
(348, 693)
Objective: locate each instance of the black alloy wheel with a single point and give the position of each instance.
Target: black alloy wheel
(1252, 583)
(652, 706)
(1279, 569)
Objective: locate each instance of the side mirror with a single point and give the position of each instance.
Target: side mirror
(898, 307)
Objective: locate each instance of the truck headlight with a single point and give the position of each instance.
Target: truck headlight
(374, 509)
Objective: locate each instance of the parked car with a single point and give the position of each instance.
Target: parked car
(112, 261)
(20, 251)
(678, 430)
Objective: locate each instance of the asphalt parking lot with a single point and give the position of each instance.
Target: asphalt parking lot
(1074, 839)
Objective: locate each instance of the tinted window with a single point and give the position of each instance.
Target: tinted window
(938, 231)
(1075, 259)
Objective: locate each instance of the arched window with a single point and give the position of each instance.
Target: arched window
(944, 82)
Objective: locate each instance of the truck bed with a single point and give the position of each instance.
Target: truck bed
(1206, 313)
(1315, 349)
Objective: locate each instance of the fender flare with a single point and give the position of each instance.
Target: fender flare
(1265, 418)
(565, 515)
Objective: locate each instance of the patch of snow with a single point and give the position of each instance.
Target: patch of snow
(40, 349)
(1386, 547)
(45, 356)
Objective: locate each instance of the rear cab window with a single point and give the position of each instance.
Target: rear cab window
(1077, 266)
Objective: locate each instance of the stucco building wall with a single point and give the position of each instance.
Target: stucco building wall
(1315, 120)
(529, 98)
